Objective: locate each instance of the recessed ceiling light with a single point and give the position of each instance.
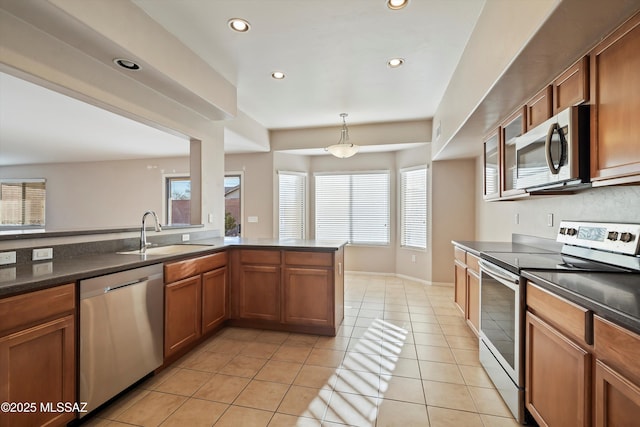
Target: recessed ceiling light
(278, 75)
(126, 63)
(395, 62)
(397, 4)
(239, 25)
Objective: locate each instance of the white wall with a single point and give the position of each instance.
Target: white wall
(93, 195)
(496, 220)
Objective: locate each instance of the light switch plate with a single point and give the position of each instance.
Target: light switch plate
(550, 220)
(252, 219)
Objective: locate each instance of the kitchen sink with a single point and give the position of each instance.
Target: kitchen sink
(168, 250)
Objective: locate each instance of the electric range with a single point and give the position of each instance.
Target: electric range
(587, 247)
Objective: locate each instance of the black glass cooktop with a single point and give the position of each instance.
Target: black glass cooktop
(515, 262)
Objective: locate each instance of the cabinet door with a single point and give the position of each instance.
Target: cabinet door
(460, 282)
(617, 400)
(572, 86)
(539, 108)
(615, 69)
(512, 128)
(557, 382)
(259, 292)
(215, 299)
(473, 301)
(491, 166)
(308, 296)
(182, 314)
(38, 365)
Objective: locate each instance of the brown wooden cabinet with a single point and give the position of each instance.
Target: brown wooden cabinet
(293, 290)
(196, 300)
(539, 108)
(182, 326)
(572, 86)
(256, 284)
(617, 375)
(557, 360)
(215, 299)
(615, 85)
(38, 354)
(467, 287)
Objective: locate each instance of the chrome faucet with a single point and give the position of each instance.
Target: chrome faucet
(143, 231)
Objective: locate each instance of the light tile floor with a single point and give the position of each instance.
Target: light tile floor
(403, 357)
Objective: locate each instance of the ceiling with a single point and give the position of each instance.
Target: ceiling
(334, 54)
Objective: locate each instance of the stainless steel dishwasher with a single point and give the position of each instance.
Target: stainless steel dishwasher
(121, 331)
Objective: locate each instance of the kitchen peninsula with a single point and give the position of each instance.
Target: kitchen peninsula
(284, 285)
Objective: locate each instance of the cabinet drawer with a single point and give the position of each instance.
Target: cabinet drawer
(460, 254)
(567, 317)
(191, 267)
(319, 259)
(23, 310)
(253, 256)
(472, 263)
(617, 347)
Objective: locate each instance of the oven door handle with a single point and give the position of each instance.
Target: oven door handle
(499, 272)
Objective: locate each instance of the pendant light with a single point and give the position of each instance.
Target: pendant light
(343, 149)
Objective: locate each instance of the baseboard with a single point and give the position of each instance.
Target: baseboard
(399, 276)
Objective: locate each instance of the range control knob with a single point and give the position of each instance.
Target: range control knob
(613, 235)
(572, 231)
(627, 237)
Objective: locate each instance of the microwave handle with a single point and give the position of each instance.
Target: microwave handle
(555, 127)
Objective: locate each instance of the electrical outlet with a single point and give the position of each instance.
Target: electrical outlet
(185, 237)
(550, 220)
(42, 253)
(7, 258)
(413, 258)
(252, 219)
(516, 219)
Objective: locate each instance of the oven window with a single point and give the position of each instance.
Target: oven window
(497, 316)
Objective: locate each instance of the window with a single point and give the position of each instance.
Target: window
(292, 190)
(413, 208)
(178, 200)
(233, 204)
(353, 207)
(22, 202)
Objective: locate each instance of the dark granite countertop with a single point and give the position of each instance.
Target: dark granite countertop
(613, 296)
(477, 247)
(26, 277)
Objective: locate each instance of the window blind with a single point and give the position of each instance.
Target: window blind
(292, 210)
(353, 207)
(413, 208)
(22, 203)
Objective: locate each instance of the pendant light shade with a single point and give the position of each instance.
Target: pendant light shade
(343, 148)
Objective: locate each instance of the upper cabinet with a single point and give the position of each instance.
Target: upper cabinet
(539, 108)
(615, 108)
(491, 166)
(512, 128)
(571, 87)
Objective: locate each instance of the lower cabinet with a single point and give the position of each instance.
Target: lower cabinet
(557, 377)
(473, 301)
(558, 364)
(196, 300)
(38, 355)
(298, 291)
(215, 297)
(182, 314)
(617, 375)
(460, 283)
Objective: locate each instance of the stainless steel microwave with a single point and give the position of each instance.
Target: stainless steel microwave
(555, 154)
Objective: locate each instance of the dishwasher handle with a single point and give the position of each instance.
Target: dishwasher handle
(101, 285)
(124, 285)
